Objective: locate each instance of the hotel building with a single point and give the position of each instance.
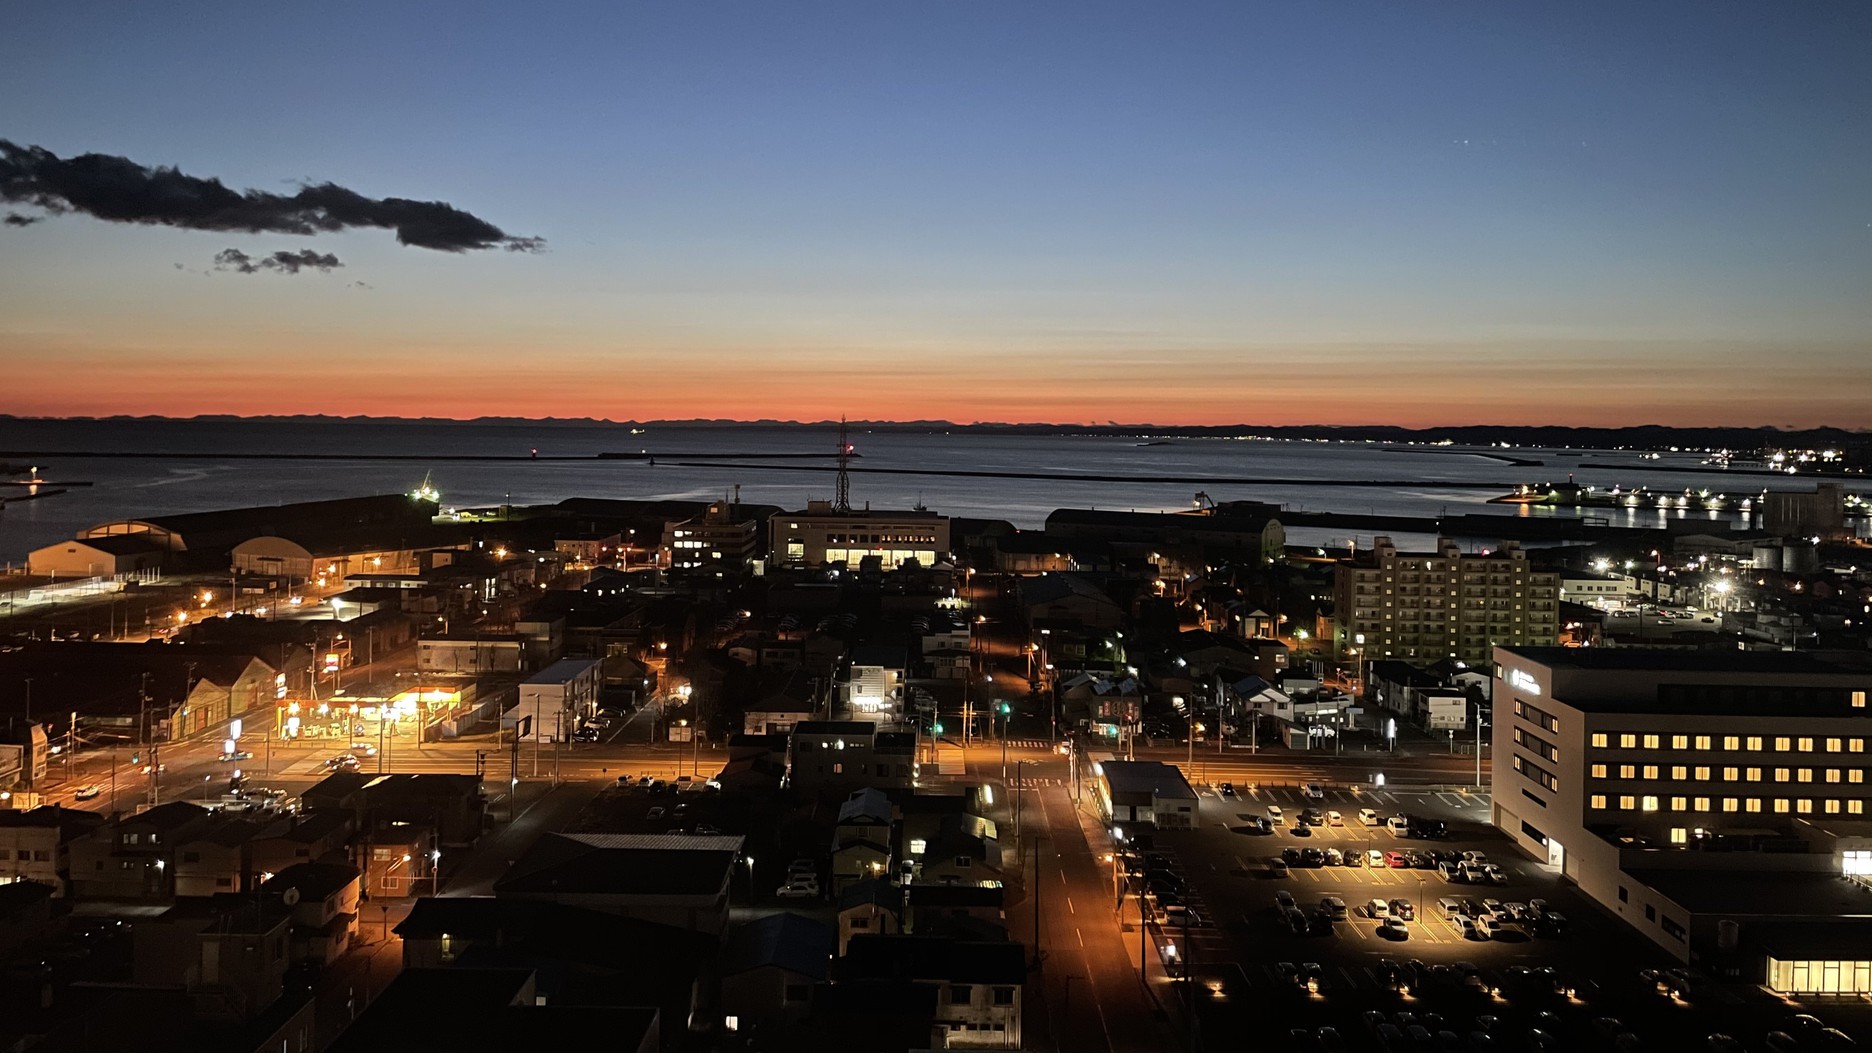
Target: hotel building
(1713, 799)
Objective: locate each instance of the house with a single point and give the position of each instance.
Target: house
(839, 754)
(768, 969)
(300, 838)
(133, 858)
(1059, 600)
(963, 850)
(323, 900)
(573, 952)
(862, 837)
(930, 908)
(1100, 699)
(869, 906)
(216, 857)
(452, 805)
(230, 952)
(36, 845)
(672, 879)
(25, 913)
(977, 983)
(492, 1011)
(877, 675)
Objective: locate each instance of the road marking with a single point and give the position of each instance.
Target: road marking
(1069, 906)
(1081, 936)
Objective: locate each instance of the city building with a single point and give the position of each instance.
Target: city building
(716, 543)
(555, 701)
(1145, 792)
(847, 754)
(824, 534)
(1443, 604)
(1713, 799)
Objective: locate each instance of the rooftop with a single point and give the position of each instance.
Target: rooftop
(1152, 777)
(1760, 893)
(564, 671)
(785, 941)
(1641, 659)
(665, 865)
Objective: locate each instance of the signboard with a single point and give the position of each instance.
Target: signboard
(1523, 682)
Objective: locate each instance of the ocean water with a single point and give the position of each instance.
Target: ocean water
(183, 466)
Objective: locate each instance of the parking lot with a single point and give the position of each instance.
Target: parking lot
(1249, 970)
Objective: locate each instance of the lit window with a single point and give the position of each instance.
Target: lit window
(1804, 806)
(1702, 742)
(1599, 739)
(1628, 802)
(1649, 804)
(1701, 804)
(1680, 742)
(1782, 774)
(1678, 771)
(1752, 775)
(1628, 771)
(1651, 741)
(1855, 775)
(1832, 775)
(1858, 699)
(1598, 800)
(1679, 835)
(1803, 775)
(1731, 774)
(1855, 745)
(1855, 807)
(1856, 861)
(1628, 741)
(1732, 742)
(1650, 771)
(1783, 743)
(1832, 806)
(1804, 744)
(1731, 804)
(1753, 804)
(1703, 774)
(1679, 804)
(1754, 743)
(1598, 771)
(1833, 745)
(1782, 805)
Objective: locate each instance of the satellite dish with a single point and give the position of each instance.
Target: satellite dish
(291, 897)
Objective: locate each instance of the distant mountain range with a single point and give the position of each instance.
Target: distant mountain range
(1642, 437)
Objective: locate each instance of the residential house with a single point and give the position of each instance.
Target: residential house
(862, 837)
(768, 970)
(978, 983)
(869, 906)
(216, 857)
(840, 754)
(931, 908)
(133, 858)
(36, 845)
(323, 899)
(230, 952)
(680, 880)
(1059, 600)
(494, 1011)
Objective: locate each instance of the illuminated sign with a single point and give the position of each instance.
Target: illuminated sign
(1521, 681)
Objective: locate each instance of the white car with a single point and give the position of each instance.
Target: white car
(88, 793)
(799, 888)
(1334, 819)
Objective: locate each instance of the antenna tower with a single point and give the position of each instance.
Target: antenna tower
(842, 502)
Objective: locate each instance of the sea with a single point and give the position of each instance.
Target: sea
(136, 468)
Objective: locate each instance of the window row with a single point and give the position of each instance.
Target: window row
(1706, 773)
(1753, 805)
(1629, 740)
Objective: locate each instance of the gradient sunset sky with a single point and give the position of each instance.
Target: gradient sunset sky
(1404, 212)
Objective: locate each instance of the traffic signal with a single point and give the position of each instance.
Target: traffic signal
(136, 759)
(937, 727)
(1005, 708)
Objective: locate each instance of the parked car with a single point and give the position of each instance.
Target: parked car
(1315, 792)
(654, 814)
(1369, 817)
(1228, 789)
(1277, 867)
(1403, 909)
(802, 888)
(1394, 929)
(1334, 819)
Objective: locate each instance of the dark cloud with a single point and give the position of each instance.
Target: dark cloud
(284, 262)
(15, 219)
(119, 190)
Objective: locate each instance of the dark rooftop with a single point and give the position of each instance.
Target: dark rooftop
(1652, 660)
(1760, 893)
(596, 864)
(475, 1010)
(932, 959)
(790, 942)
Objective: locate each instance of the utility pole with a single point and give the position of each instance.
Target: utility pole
(1478, 748)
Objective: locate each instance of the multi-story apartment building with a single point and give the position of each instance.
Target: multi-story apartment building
(1449, 603)
(1684, 790)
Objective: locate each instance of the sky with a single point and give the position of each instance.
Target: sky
(1390, 212)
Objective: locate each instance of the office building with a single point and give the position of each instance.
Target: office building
(823, 534)
(1430, 606)
(718, 542)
